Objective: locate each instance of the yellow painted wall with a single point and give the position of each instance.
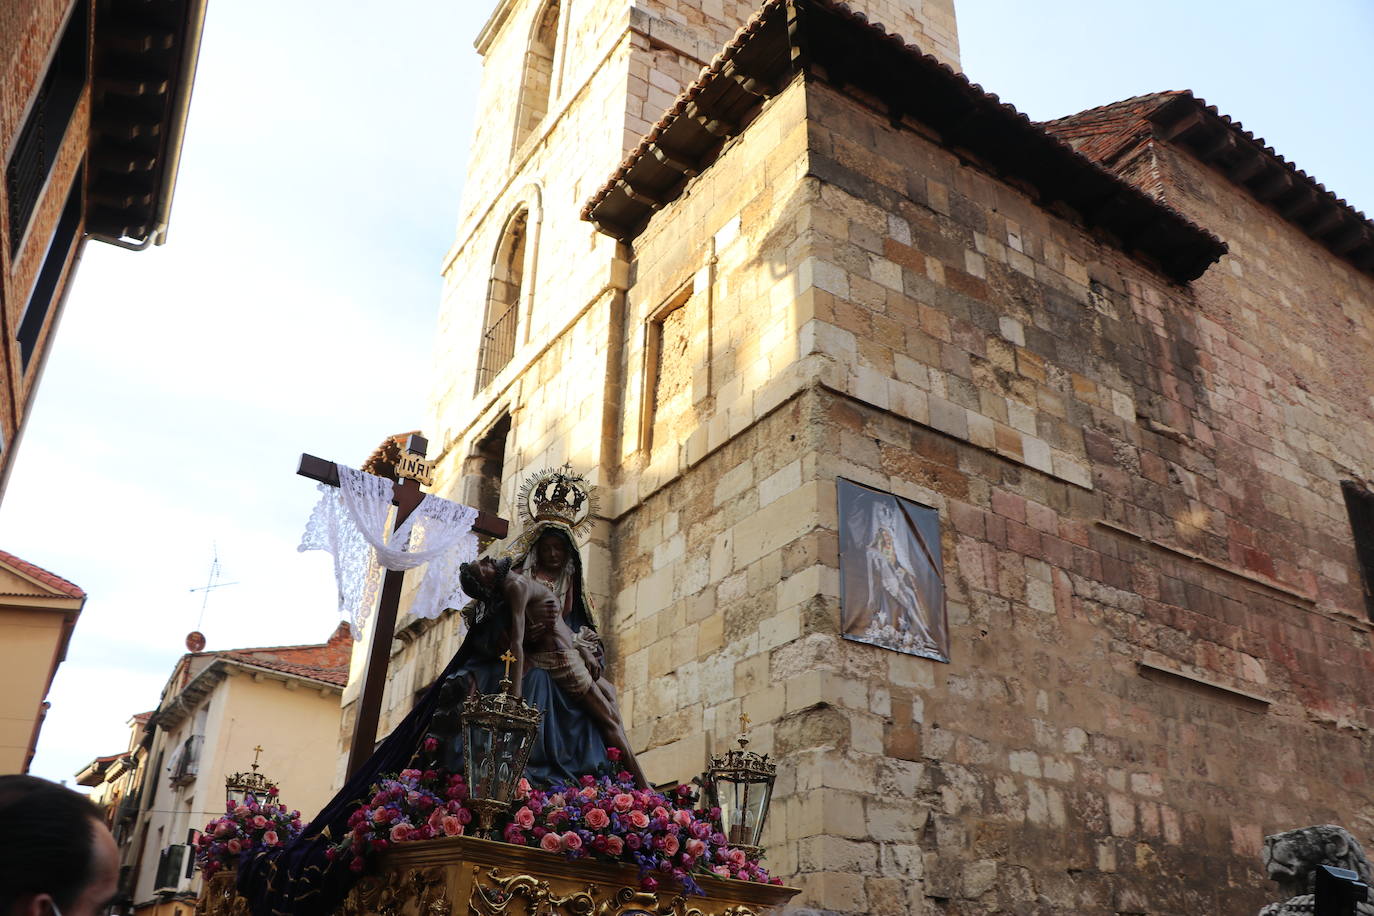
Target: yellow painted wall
(28, 644)
(297, 726)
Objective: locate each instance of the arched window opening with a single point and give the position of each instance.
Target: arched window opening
(503, 302)
(537, 82)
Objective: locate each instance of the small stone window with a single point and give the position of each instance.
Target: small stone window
(485, 468)
(1359, 504)
(675, 357)
(503, 301)
(536, 83)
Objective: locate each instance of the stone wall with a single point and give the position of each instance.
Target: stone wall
(1141, 686)
(616, 70)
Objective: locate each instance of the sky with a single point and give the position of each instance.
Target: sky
(293, 307)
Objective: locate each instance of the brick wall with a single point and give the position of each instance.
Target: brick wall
(29, 32)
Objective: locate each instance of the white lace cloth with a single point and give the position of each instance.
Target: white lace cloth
(351, 523)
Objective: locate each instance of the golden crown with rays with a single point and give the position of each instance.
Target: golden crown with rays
(557, 495)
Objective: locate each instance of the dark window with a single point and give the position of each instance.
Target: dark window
(485, 467)
(41, 136)
(1359, 503)
(45, 288)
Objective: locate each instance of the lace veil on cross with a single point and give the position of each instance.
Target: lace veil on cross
(350, 522)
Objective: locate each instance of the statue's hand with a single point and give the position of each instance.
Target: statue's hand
(588, 643)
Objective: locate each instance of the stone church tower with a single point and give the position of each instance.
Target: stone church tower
(1106, 362)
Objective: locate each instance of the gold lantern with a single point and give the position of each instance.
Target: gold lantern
(498, 734)
(239, 786)
(740, 783)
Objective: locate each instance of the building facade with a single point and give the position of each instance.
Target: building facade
(219, 711)
(38, 611)
(93, 104)
(1118, 358)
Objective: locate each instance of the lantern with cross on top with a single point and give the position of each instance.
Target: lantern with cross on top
(239, 786)
(740, 783)
(498, 733)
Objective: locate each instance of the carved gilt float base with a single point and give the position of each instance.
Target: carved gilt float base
(462, 876)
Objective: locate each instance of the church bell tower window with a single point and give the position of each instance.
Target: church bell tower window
(503, 301)
(536, 84)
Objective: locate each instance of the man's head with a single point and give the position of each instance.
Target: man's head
(551, 550)
(56, 855)
(482, 580)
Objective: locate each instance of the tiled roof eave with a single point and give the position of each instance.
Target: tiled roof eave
(1182, 120)
(1225, 145)
(838, 46)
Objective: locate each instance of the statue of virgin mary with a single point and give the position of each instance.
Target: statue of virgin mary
(556, 506)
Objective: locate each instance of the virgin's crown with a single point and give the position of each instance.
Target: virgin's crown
(557, 495)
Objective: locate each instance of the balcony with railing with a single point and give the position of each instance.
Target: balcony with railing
(186, 765)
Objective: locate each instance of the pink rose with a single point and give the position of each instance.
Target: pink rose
(736, 856)
(695, 848)
(721, 870)
(400, 833)
(572, 841)
(639, 819)
(452, 827)
(670, 845)
(381, 815)
(682, 818)
(525, 818)
(662, 812)
(589, 792)
(234, 847)
(242, 811)
(522, 788)
(223, 829)
(259, 821)
(597, 819)
(623, 802)
(270, 838)
(615, 845)
(552, 842)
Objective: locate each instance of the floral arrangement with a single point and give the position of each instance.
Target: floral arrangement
(245, 828)
(602, 816)
(412, 805)
(609, 818)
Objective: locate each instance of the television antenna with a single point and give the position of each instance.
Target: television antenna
(210, 584)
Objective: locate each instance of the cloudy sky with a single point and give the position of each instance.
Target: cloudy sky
(292, 308)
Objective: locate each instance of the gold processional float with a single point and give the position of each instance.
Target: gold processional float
(471, 875)
(483, 875)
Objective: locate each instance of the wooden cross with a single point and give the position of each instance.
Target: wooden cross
(407, 473)
(256, 751)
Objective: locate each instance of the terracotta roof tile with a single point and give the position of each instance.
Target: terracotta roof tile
(52, 580)
(1113, 134)
(336, 675)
